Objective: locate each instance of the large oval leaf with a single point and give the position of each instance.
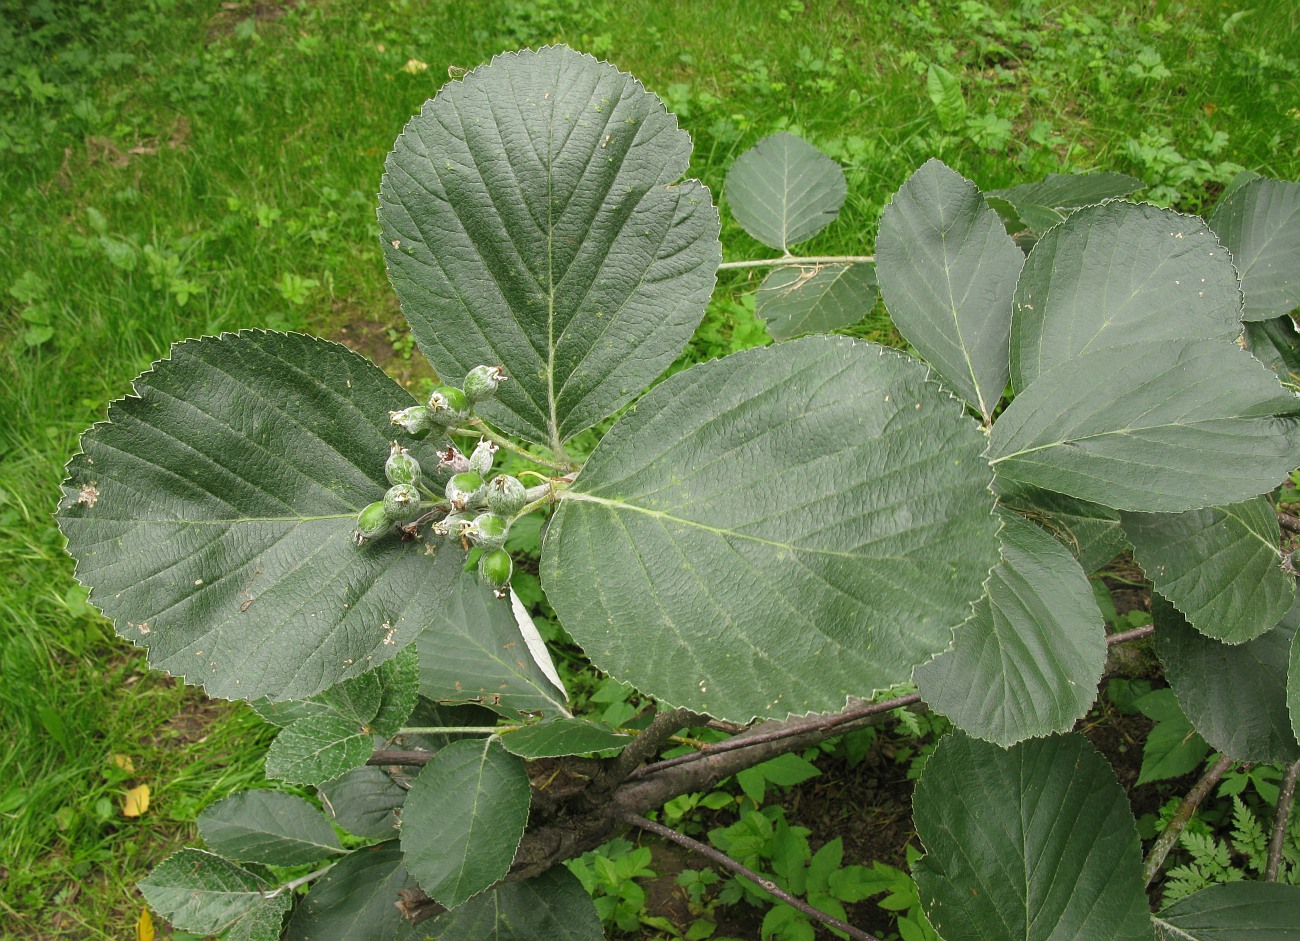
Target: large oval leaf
(775, 531)
(1260, 911)
(531, 219)
(1259, 222)
(1235, 696)
(1029, 660)
(1089, 530)
(553, 906)
(357, 899)
(212, 516)
(1220, 566)
(477, 653)
(1160, 426)
(1117, 274)
(205, 894)
(268, 827)
(798, 299)
(463, 820)
(1035, 843)
(783, 190)
(948, 270)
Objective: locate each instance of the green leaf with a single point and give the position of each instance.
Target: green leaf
(477, 652)
(798, 299)
(1042, 204)
(773, 532)
(1276, 344)
(317, 749)
(463, 820)
(532, 218)
(1115, 275)
(553, 906)
(1162, 426)
(364, 802)
(1089, 530)
(1259, 223)
(783, 190)
(1293, 686)
(357, 699)
(357, 899)
(1172, 747)
(399, 684)
(1235, 696)
(1262, 911)
(1220, 566)
(203, 893)
(289, 711)
(944, 90)
(212, 515)
(563, 737)
(948, 270)
(263, 922)
(268, 827)
(785, 770)
(1028, 662)
(1036, 842)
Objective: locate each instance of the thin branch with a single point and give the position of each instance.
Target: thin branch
(479, 427)
(646, 744)
(1165, 842)
(774, 731)
(792, 260)
(767, 885)
(1288, 522)
(301, 880)
(1135, 634)
(1280, 820)
(400, 757)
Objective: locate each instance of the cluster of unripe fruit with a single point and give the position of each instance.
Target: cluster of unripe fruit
(480, 507)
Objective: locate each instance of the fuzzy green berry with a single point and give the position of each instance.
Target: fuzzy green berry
(495, 569)
(416, 421)
(482, 382)
(489, 531)
(371, 522)
(402, 503)
(448, 406)
(464, 489)
(480, 461)
(506, 495)
(401, 468)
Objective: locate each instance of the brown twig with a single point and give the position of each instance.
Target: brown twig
(1135, 634)
(1165, 842)
(400, 757)
(1288, 522)
(1280, 820)
(767, 885)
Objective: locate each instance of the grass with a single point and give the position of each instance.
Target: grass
(174, 168)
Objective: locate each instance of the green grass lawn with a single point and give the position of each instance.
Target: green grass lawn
(170, 168)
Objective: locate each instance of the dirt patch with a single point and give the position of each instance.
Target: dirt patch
(231, 14)
(382, 340)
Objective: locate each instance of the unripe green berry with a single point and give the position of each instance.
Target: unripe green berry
(400, 467)
(402, 503)
(506, 495)
(482, 382)
(464, 489)
(489, 531)
(416, 421)
(371, 522)
(480, 461)
(495, 569)
(448, 406)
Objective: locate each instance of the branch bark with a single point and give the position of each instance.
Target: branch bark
(767, 885)
(1165, 842)
(1281, 818)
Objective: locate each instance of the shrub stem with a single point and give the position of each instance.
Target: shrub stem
(1165, 842)
(1281, 818)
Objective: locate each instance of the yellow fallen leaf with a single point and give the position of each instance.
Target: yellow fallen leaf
(415, 66)
(144, 927)
(136, 802)
(124, 762)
